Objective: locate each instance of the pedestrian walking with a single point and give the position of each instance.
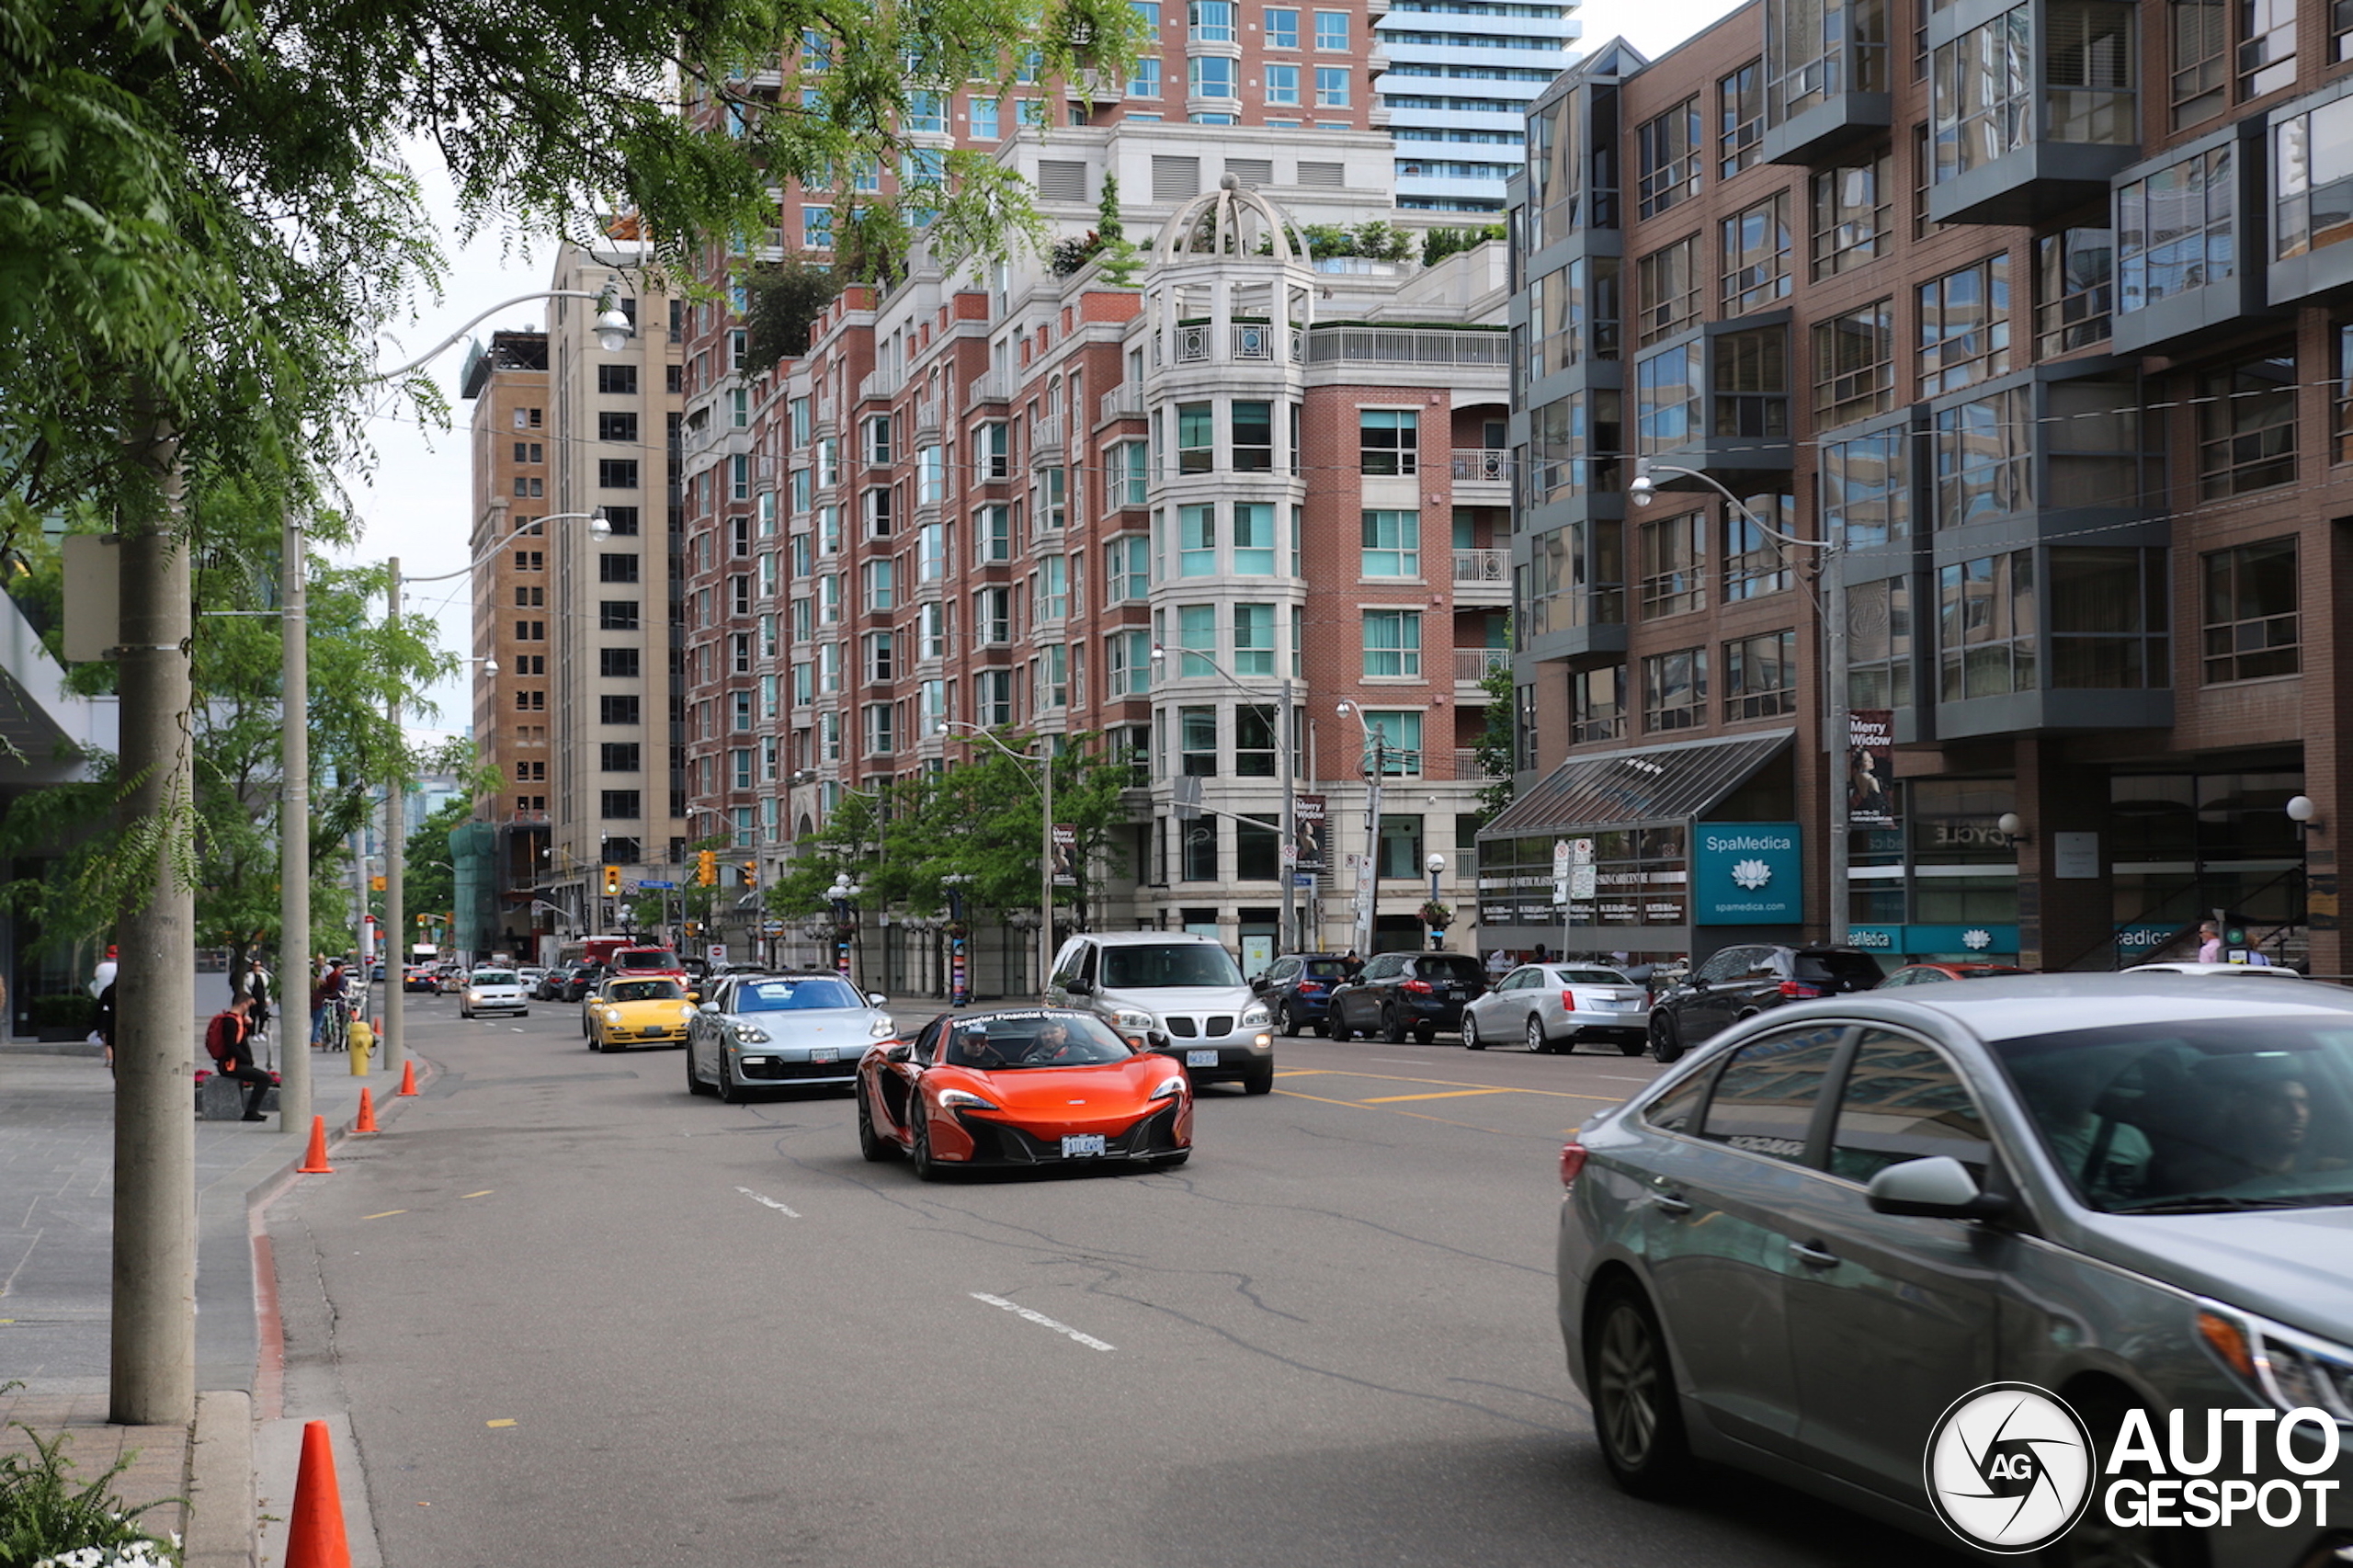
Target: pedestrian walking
(105, 975)
(2209, 942)
(328, 993)
(1351, 966)
(255, 990)
(105, 1031)
(228, 1039)
(1498, 965)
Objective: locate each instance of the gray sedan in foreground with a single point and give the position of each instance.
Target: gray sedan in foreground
(781, 1031)
(1991, 1261)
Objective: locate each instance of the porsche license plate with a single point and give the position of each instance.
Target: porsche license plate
(823, 1053)
(1201, 1059)
(1079, 1146)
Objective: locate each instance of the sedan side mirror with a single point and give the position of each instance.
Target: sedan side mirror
(899, 1054)
(1939, 1188)
(875, 998)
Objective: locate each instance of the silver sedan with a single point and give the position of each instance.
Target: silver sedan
(781, 1031)
(1849, 1243)
(1549, 1007)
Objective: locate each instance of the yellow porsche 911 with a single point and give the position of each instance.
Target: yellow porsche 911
(643, 1010)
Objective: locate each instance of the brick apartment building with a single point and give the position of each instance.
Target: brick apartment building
(2040, 314)
(985, 497)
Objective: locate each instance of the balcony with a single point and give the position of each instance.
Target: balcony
(2015, 147)
(875, 384)
(2188, 229)
(1473, 665)
(1046, 444)
(1124, 402)
(1433, 346)
(927, 418)
(1482, 465)
(996, 386)
(1719, 402)
(1828, 84)
(1466, 763)
(1482, 576)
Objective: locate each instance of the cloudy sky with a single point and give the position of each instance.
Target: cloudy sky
(415, 501)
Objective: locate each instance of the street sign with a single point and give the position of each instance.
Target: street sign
(649, 882)
(1561, 871)
(1584, 877)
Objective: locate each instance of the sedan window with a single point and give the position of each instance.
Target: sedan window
(1902, 1101)
(795, 995)
(1765, 1093)
(1593, 977)
(645, 991)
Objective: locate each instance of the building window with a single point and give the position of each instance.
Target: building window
(1253, 639)
(993, 699)
(1761, 676)
(617, 381)
(2267, 46)
(881, 730)
(992, 617)
(1209, 76)
(1401, 744)
(1126, 562)
(1985, 626)
(1051, 588)
(1666, 398)
(1866, 488)
(2342, 448)
(1199, 859)
(620, 805)
(878, 576)
(617, 473)
(1965, 326)
(1674, 565)
(1668, 151)
(1282, 83)
(617, 663)
(1984, 452)
(616, 615)
(1258, 849)
(2075, 289)
(1850, 215)
(1331, 85)
(1254, 437)
(1389, 440)
(616, 568)
(1816, 51)
(1131, 474)
(1854, 365)
(1197, 742)
(880, 664)
(1666, 290)
(2313, 176)
(1197, 637)
(1254, 539)
(1332, 31)
(1756, 255)
(2108, 619)
(1756, 564)
(1393, 643)
(1196, 437)
(1739, 117)
(2174, 229)
(1392, 544)
(2247, 427)
(1126, 664)
(1751, 392)
(2250, 621)
(1213, 21)
(992, 535)
(1983, 95)
(617, 709)
(1675, 691)
(1282, 27)
(1878, 644)
(1197, 542)
(1598, 704)
(2200, 38)
(1254, 742)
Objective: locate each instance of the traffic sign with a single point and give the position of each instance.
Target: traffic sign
(649, 882)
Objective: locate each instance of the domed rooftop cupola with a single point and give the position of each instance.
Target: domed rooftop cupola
(1231, 287)
(1229, 222)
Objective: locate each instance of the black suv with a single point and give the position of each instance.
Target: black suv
(1398, 992)
(1298, 988)
(1736, 983)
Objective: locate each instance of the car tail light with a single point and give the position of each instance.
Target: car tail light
(1568, 1000)
(1307, 987)
(1416, 987)
(1572, 1161)
(1799, 990)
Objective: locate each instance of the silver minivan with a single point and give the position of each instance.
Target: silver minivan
(1184, 991)
(2121, 1206)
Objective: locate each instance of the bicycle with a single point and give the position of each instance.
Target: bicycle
(334, 1030)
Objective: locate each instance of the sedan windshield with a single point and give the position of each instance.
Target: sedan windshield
(796, 995)
(494, 977)
(1035, 1039)
(645, 957)
(645, 990)
(1173, 965)
(2197, 1117)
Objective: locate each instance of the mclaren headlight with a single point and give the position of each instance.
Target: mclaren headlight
(963, 1099)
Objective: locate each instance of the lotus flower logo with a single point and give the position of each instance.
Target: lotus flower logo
(1977, 942)
(1751, 874)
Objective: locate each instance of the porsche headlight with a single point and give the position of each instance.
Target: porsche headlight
(881, 1028)
(1134, 1018)
(750, 1034)
(613, 1014)
(1256, 1016)
(1170, 1087)
(962, 1099)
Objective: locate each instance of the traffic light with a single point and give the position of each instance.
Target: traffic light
(376, 884)
(706, 867)
(751, 873)
(612, 881)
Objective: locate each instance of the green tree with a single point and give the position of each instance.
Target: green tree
(785, 297)
(1497, 750)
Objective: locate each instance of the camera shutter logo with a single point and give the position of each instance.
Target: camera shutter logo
(2010, 1468)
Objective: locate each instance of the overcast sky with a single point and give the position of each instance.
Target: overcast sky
(415, 503)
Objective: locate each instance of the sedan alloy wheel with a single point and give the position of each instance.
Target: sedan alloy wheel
(1666, 1041)
(1536, 1042)
(1470, 1040)
(1634, 1412)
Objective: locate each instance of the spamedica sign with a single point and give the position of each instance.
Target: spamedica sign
(1746, 873)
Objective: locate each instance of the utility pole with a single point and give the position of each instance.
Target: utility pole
(395, 833)
(294, 832)
(1369, 884)
(152, 1372)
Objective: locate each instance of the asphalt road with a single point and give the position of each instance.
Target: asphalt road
(577, 1316)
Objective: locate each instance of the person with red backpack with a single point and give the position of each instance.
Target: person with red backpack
(229, 1044)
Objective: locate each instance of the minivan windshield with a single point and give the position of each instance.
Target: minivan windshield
(1170, 966)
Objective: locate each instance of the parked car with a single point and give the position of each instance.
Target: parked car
(417, 977)
(1737, 982)
(1786, 1255)
(1937, 973)
(1021, 1087)
(1402, 993)
(530, 975)
(1175, 987)
(2278, 972)
(1556, 1007)
(637, 1009)
(781, 1031)
(1298, 987)
(492, 991)
(575, 984)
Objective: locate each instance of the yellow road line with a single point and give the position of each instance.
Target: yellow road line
(1441, 1095)
(385, 1215)
(1459, 1084)
(485, 1192)
(508, 1422)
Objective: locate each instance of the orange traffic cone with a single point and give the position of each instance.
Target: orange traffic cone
(315, 1162)
(317, 1539)
(367, 1122)
(408, 1076)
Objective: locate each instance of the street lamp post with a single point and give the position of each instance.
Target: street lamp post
(394, 1044)
(1836, 719)
(1044, 784)
(1285, 738)
(1436, 867)
(959, 981)
(1368, 878)
(844, 889)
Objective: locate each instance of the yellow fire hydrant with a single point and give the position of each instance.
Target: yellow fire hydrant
(363, 1045)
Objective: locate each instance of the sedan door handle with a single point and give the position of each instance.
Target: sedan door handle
(1668, 1203)
(1813, 1256)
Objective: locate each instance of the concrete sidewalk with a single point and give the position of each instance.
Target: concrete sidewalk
(56, 1284)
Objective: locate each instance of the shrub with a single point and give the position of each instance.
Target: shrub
(47, 1519)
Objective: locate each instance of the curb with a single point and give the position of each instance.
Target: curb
(223, 1518)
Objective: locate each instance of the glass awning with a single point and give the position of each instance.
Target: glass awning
(1620, 788)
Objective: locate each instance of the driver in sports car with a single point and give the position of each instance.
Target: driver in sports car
(1051, 1043)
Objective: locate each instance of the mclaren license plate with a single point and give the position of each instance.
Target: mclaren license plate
(1082, 1145)
(1201, 1059)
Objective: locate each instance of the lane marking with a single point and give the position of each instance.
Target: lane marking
(1440, 1094)
(485, 1192)
(1459, 1084)
(1306, 1072)
(787, 1214)
(385, 1215)
(503, 1421)
(1041, 1320)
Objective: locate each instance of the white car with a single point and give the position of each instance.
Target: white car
(2186, 967)
(530, 976)
(494, 991)
(1555, 1005)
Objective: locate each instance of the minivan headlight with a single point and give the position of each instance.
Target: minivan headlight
(1256, 1016)
(1134, 1018)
